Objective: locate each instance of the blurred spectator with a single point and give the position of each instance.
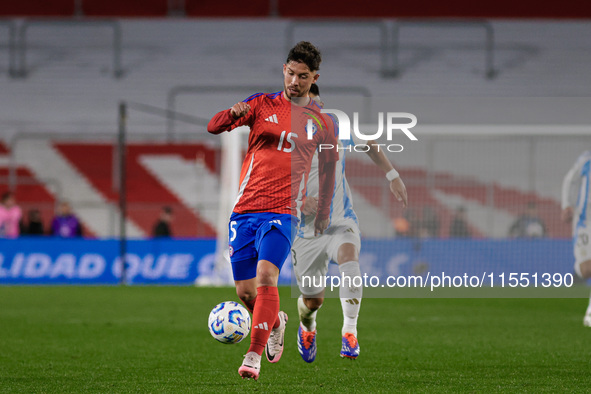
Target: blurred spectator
(10, 216)
(65, 224)
(162, 226)
(34, 225)
(459, 224)
(401, 227)
(429, 223)
(406, 226)
(528, 225)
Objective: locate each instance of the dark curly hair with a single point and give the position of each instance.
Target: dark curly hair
(305, 52)
(315, 90)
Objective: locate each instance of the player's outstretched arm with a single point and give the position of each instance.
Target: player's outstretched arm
(310, 206)
(228, 119)
(567, 214)
(571, 185)
(326, 171)
(397, 187)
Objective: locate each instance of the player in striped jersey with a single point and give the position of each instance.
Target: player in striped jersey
(272, 191)
(576, 206)
(340, 243)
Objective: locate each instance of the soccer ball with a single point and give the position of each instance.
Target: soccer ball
(229, 322)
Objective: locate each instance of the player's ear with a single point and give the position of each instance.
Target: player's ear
(284, 68)
(316, 77)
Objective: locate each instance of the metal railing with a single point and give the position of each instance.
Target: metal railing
(53, 183)
(490, 71)
(22, 47)
(174, 92)
(391, 50)
(380, 25)
(11, 26)
(13, 179)
(119, 165)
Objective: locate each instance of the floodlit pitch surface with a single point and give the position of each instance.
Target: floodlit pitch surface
(155, 339)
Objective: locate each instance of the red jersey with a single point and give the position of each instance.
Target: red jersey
(275, 169)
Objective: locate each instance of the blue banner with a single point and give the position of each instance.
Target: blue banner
(184, 262)
(82, 261)
(472, 257)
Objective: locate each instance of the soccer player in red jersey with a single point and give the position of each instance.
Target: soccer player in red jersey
(272, 191)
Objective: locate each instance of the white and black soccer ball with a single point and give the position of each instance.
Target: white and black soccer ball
(229, 322)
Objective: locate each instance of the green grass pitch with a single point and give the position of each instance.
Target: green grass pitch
(155, 339)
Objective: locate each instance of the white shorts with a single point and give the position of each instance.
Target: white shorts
(582, 243)
(311, 256)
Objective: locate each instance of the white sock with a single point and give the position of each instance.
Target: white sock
(588, 313)
(350, 295)
(307, 317)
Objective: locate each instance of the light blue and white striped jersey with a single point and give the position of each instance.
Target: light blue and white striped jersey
(576, 189)
(341, 208)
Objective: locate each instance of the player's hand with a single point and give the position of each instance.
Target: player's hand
(310, 206)
(399, 190)
(567, 214)
(240, 109)
(320, 226)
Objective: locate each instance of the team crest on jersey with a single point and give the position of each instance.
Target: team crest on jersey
(313, 124)
(230, 250)
(311, 127)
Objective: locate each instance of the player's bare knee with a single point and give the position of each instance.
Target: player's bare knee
(266, 278)
(246, 289)
(267, 273)
(585, 269)
(246, 295)
(347, 252)
(314, 304)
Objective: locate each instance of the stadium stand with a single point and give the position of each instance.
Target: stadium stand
(161, 53)
(3, 149)
(227, 8)
(324, 8)
(425, 8)
(54, 8)
(146, 192)
(129, 8)
(30, 192)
